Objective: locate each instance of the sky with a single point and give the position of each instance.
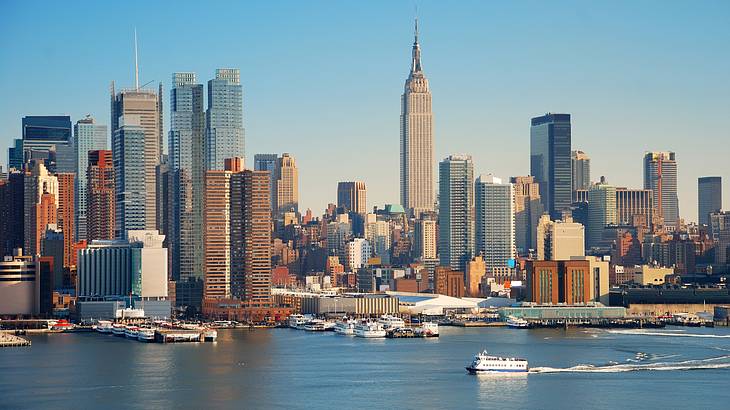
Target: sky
(322, 80)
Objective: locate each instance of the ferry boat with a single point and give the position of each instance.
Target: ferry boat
(391, 322)
(131, 332)
(345, 327)
(428, 329)
(298, 321)
(104, 326)
(146, 335)
(517, 322)
(210, 335)
(319, 325)
(369, 329)
(118, 329)
(483, 363)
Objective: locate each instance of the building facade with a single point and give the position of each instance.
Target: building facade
(550, 161)
(601, 212)
(130, 173)
(635, 207)
(581, 169)
(88, 136)
(65, 217)
(528, 209)
(101, 193)
(40, 206)
(224, 133)
(48, 138)
(660, 175)
(416, 139)
(709, 198)
(495, 222)
(352, 195)
(456, 211)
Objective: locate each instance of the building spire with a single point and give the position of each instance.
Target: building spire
(416, 62)
(136, 63)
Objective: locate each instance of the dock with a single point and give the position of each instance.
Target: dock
(9, 340)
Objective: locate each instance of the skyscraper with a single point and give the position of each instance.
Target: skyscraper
(495, 221)
(660, 175)
(66, 216)
(528, 210)
(41, 206)
(130, 173)
(581, 170)
(187, 167)
(709, 198)
(224, 134)
(100, 214)
(286, 185)
(352, 196)
(12, 212)
(601, 212)
(146, 107)
(48, 137)
(268, 162)
(217, 236)
(416, 139)
(550, 161)
(88, 136)
(634, 207)
(15, 155)
(425, 241)
(456, 211)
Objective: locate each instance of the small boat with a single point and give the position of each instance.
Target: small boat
(118, 329)
(62, 325)
(345, 327)
(428, 329)
(103, 326)
(391, 322)
(369, 329)
(484, 363)
(517, 322)
(210, 335)
(146, 335)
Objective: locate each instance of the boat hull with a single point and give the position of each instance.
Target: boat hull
(473, 370)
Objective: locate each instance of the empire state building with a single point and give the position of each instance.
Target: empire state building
(416, 140)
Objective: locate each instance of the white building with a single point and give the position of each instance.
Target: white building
(358, 253)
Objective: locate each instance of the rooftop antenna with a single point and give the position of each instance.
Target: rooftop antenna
(136, 63)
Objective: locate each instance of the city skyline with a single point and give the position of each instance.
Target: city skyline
(645, 95)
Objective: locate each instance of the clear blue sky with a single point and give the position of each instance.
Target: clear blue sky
(322, 80)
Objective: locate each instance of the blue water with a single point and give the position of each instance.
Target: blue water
(285, 368)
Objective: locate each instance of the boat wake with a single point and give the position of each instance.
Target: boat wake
(667, 333)
(720, 362)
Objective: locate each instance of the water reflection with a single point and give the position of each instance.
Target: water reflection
(493, 386)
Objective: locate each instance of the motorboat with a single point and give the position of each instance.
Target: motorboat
(517, 322)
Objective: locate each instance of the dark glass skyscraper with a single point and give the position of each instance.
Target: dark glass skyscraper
(48, 137)
(709, 198)
(550, 161)
(15, 154)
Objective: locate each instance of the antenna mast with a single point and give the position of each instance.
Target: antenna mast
(136, 63)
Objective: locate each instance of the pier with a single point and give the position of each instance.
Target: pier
(10, 340)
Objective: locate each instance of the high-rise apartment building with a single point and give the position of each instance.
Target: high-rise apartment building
(224, 133)
(186, 178)
(352, 196)
(101, 194)
(88, 136)
(550, 161)
(48, 138)
(601, 212)
(416, 139)
(709, 198)
(634, 207)
(660, 175)
(495, 222)
(66, 219)
(580, 164)
(456, 211)
(425, 236)
(286, 186)
(145, 106)
(130, 173)
(251, 237)
(528, 209)
(41, 206)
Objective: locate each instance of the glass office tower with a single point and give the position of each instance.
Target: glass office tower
(550, 161)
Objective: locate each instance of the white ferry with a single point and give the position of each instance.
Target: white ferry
(298, 321)
(210, 335)
(428, 329)
(391, 322)
(517, 322)
(483, 363)
(104, 326)
(345, 327)
(315, 325)
(131, 332)
(118, 329)
(369, 329)
(146, 335)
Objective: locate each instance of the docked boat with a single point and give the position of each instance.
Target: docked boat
(391, 322)
(517, 322)
(146, 335)
(131, 332)
(62, 325)
(118, 329)
(484, 363)
(210, 335)
(345, 327)
(428, 329)
(369, 329)
(298, 321)
(319, 325)
(103, 326)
